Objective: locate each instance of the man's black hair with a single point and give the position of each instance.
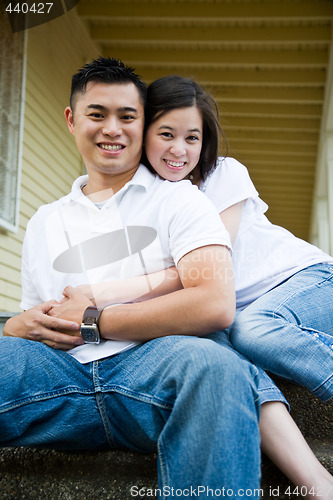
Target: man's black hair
(106, 70)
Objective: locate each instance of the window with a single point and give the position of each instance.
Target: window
(11, 121)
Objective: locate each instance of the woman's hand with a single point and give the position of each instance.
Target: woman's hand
(72, 306)
(86, 290)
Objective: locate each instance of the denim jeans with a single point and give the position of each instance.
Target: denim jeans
(289, 330)
(267, 390)
(190, 399)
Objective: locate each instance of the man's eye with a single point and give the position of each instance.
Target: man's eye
(128, 117)
(96, 115)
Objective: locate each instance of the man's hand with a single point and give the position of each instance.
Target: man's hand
(72, 307)
(36, 324)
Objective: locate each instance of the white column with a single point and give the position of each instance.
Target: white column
(321, 233)
(329, 166)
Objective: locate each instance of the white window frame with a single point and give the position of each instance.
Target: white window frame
(9, 219)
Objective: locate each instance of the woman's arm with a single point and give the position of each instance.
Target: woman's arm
(206, 302)
(155, 284)
(231, 218)
(132, 289)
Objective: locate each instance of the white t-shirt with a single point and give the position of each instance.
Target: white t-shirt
(263, 254)
(147, 226)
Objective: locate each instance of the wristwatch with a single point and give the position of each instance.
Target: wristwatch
(89, 327)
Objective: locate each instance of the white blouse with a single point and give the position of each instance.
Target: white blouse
(264, 254)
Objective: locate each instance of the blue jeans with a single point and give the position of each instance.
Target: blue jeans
(267, 390)
(289, 330)
(190, 399)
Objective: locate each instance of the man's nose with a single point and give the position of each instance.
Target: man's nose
(112, 127)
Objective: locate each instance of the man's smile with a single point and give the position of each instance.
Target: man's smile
(111, 147)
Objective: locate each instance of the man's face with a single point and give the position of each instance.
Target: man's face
(107, 122)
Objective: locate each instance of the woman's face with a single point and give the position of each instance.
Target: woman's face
(173, 143)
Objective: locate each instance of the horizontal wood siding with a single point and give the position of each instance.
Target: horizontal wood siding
(50, 160)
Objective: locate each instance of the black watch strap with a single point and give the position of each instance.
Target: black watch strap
(90, 325)
(91, 315)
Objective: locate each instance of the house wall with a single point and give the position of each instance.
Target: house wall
(50, 162)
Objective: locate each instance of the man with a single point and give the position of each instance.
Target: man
(151, 384)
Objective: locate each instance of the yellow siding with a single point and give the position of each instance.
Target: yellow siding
(50, 160)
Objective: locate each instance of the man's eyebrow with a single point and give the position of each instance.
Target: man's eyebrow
(96, 106)
(128, 108)
(104, 108)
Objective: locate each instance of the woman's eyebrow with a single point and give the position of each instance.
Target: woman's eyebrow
(171, 128)
(165, 126)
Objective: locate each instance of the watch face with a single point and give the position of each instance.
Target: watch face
(90, 334)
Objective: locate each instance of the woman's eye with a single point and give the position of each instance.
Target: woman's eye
(193, 138)
(166, 134)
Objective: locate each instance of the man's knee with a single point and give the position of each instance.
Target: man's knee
(220, 362)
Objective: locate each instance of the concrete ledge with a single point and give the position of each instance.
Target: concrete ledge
(54, 475)
(314, 418)
(116, 475)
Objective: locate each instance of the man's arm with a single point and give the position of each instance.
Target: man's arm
(205, 304)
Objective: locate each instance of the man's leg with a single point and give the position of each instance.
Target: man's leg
(47, 398)
(193, 401)
(198, 401)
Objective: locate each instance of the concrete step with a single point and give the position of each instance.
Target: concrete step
(58, 475)
(277, 485)
(314, 418)
(118, 475)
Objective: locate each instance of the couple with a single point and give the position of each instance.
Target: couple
(164, 383)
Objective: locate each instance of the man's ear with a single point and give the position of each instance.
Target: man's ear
(69, 119)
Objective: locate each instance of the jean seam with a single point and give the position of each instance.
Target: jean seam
(163, 480)
(323, 386)
(144, 398)
(44, 397)
(317, 284)
(109, 434)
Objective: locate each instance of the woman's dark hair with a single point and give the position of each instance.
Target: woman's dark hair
(174, 92)
(106, 70)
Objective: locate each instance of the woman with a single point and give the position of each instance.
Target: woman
(267, 259)
(181, 141)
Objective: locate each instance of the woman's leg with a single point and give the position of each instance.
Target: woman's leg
(289, 330)
(284, 444)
